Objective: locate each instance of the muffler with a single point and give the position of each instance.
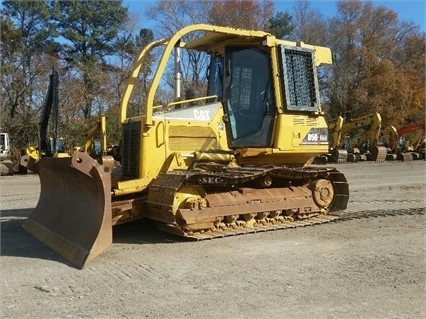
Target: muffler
(73, 214)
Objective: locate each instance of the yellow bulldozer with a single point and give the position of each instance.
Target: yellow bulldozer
(228, 162)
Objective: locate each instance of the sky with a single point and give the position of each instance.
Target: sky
(407, 10)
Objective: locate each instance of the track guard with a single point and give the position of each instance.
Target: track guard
(73, 214)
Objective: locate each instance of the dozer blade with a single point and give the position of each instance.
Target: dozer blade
(73, 215)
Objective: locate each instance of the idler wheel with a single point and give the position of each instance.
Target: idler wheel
(322, 192)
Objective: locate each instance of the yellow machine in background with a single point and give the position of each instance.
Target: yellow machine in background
(336, 153)
(360, 137)
(51, 146)
(389, 138)
(228, 162)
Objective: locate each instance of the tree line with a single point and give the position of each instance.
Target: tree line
(378, 60)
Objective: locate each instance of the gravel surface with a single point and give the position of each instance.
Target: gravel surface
(368, 264)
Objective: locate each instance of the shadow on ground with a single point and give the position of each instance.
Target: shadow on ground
(16, 242)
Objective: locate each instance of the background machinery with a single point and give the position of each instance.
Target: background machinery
(390, 140)
(47, 146)
(412, 141)
(229, 162)
(6, 163)
(360, 138)
(336, 153)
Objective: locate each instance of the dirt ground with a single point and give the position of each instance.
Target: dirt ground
(369, 264)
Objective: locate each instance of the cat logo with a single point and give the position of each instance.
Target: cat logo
(201, 115)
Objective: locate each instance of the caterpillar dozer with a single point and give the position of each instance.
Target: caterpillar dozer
(226, 163)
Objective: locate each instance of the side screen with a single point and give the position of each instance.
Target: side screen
(300, 79)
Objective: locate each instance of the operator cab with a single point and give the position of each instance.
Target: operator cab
(243, 82)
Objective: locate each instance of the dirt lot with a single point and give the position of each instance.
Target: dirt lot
(370, 264)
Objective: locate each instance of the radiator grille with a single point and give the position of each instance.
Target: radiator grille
(131, 149)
